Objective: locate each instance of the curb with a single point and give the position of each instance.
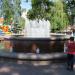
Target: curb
(33, 57)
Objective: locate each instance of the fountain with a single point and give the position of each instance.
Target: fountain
(36, 28)
(37, 38)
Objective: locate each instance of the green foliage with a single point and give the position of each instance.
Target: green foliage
(21, 23)
(0, 8)
(17, 7)
(19, 26)
(11, 11)
(17, 14)
(59, 18)
(54, 11)
(7, 11)
(70, 9)
(40, 9)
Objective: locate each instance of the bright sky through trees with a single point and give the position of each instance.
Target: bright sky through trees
(26, 5)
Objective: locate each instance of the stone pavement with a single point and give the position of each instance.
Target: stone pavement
(33, 68)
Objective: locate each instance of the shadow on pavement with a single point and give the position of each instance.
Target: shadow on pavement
(33, 68)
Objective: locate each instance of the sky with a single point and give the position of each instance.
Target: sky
(26, 5)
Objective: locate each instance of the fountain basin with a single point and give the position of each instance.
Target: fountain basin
(46, 45)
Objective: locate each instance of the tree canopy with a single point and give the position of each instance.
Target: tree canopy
(70, 9)
(57, 12)
(50, 10)
(7, 10)
(59, 18)
(40, 9)
(11, 11)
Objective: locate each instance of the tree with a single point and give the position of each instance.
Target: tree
(19, 26)
(40, 9)
(7, 11)
(70, 6)
(11, 11)
(0, 8)
(51, 10)
(17, 14)
(59, 18)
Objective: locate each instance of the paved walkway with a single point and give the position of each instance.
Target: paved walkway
(33, 68)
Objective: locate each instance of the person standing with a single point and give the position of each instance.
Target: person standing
(70, 51)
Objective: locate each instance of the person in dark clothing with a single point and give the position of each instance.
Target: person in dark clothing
(70, 61)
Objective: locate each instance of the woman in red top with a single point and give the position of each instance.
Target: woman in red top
(70, 53)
